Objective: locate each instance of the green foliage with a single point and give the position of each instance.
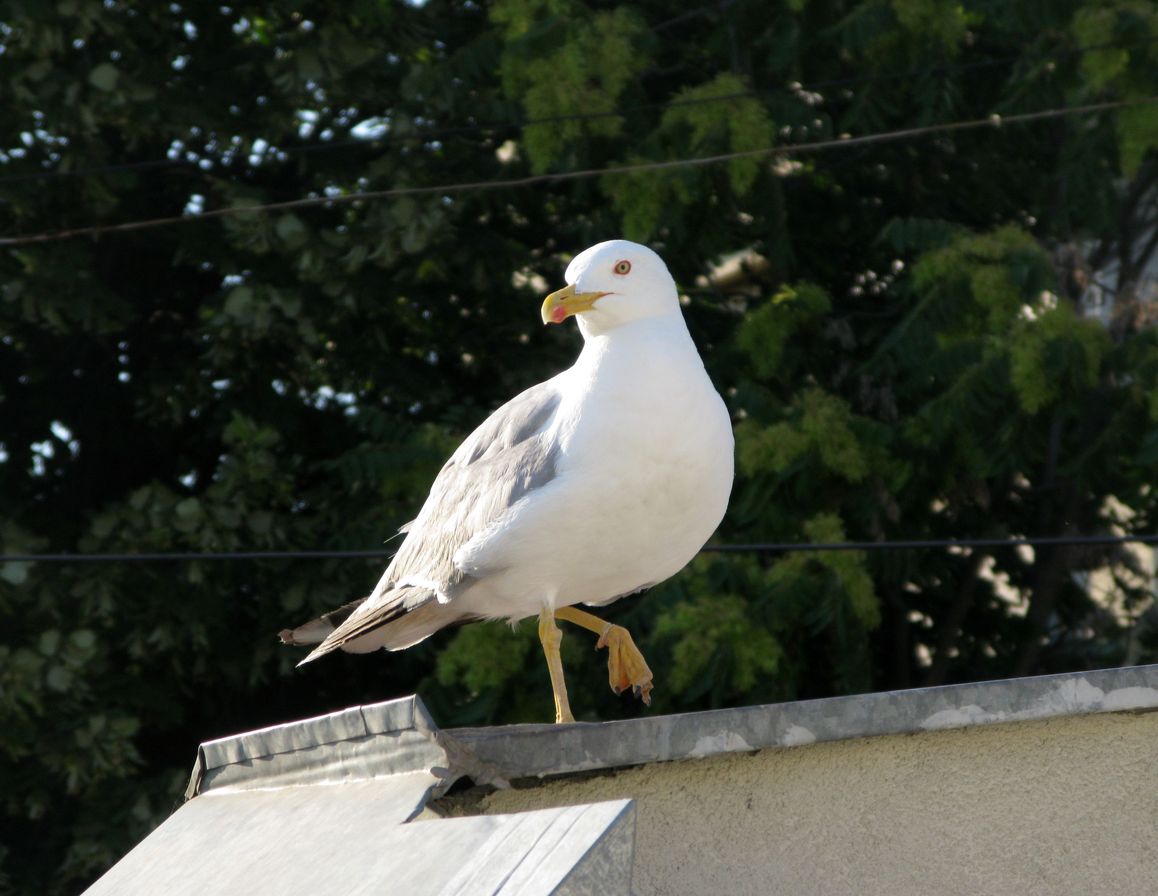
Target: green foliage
(1057, 354)
(1137, 136)
(719, 117)
(765, 336)
(1100, 26)
(821, 427)
(484, 656)
(850, 578)
(946, 24)
(908, 351)
(572, 85)
(1123, 59)
(714, 641)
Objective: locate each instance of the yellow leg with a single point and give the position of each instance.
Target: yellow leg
(626, 666)
(551, 638)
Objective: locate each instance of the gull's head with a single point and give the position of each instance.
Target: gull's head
(612, 284)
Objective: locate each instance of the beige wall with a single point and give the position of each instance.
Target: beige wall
(1063, 806)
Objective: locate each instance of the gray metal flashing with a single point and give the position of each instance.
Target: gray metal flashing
(563, 851)
(349, 839)
(399, 736)
(359, 743)
(526, 751)
(329, 804)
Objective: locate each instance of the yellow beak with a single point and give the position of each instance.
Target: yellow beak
(564, 303)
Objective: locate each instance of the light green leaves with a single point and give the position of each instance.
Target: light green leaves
(722, 116)
(847, 568)
(821, 427)
(1119, 58)
(1051, 351)
(1094, 27)
(936, 21)
(485, 657)
(1137, 135)
(569, 79)
(767, 330)
(719, 117)
(716, 630)
(1054, 355)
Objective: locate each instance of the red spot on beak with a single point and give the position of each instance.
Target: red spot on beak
(558, 315)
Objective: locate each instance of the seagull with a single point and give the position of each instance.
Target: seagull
(602, 481)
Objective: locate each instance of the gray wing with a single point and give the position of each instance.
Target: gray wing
(508, 456)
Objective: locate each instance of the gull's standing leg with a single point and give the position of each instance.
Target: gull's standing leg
(626, 666)
(551, 637)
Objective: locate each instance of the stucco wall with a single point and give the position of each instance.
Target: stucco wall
(1063, 806)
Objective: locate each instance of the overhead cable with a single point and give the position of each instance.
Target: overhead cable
(991, 121)
(961, 544)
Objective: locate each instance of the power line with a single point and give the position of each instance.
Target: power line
(438, 133)
(186, 556)
(755, 548)
(935, 543)
(992, 121)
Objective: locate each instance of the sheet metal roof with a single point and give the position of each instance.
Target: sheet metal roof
(496, 755)
(327, 805)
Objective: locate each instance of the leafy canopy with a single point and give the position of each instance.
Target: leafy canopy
(949, 335)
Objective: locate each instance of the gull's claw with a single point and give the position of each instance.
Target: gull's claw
(626, 666)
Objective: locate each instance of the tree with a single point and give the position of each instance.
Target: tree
(906, 341)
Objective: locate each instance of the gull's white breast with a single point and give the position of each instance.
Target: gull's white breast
(644, 472)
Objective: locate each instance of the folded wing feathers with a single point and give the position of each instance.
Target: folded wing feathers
(316, 630)
(498, 464)
(403, 600)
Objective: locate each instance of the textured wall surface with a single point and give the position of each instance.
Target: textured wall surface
(1061, 806)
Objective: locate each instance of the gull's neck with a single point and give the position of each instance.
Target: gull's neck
(636, 342)
(663, 326)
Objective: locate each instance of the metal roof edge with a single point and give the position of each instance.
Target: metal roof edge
(400, 737)
(525, 751)
(400, 732)
(259, 788)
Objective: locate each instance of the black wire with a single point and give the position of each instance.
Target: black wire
(922, 544)
(435, 134)
(179, 556)
(756, 548)
(843, 143)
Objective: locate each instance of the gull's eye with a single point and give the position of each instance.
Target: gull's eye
(622, 267)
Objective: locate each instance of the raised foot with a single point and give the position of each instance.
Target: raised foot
(626, 667)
